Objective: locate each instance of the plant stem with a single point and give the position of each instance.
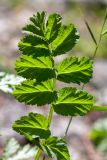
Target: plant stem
(68, 127)
(95, 52)
(50, 115)
(100, 38)
(44, 157)
(99, 108)
(51, 107)
(37, 157)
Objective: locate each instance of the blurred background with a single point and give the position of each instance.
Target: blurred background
(87, 137)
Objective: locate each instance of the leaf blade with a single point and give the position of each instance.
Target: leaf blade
(66, 39)
(33, 93)
(33, 125)
(73, 102)
(39, 68)
(36, 25)
(32, 45)
(52, 26)
(74, 69)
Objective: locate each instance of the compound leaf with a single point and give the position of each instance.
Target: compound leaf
(56, 147)
(32, 126)
(74, 69)
(33, 93)
(39, 68)
(73, 102)
(65, 41)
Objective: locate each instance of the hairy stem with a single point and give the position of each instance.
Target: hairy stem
(95, 52)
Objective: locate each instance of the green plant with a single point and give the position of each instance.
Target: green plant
(45, 38)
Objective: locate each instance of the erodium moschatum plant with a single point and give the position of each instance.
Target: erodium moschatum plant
(45, 37)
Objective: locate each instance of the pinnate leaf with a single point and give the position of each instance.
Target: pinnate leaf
(73, 102)
(32, 126)
(74, 69)
(33, 93)
(39, 68)
(56, 148)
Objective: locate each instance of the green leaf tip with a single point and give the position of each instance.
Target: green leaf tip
(52, 26)
(32, 126)
(73, 102)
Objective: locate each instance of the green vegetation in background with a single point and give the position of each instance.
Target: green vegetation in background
(94, 13)
(98, 135)
(11, 5)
